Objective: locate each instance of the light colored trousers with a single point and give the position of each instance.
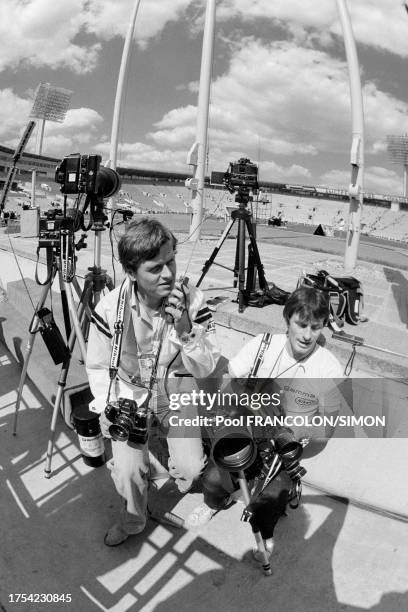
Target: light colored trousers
(131, 470)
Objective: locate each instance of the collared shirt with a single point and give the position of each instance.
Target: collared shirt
(197, 357)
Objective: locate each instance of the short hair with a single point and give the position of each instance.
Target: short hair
(309, 303)
(141, 241)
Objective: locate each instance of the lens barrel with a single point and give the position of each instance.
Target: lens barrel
(121, 428)
(233, 449)
(107, 182)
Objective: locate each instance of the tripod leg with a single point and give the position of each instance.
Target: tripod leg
(251, 280)
(258, 537)
(61, 386)
(236, 264)
(30, 343)
(257, 258)
(215, 251)
(75, 319)
(64, 302)
(84, 298)
(241, 265)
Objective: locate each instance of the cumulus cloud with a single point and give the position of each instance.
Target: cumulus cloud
(13, 111)
(141, 155)
(296, 103)
(308, 19)
(42, 32)
(286, 102)
(46, 33)
(79, 129)
(376, 180)
(106, 19)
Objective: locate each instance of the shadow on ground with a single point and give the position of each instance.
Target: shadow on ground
(53, 538)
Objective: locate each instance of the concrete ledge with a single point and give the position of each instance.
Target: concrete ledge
(255, 321)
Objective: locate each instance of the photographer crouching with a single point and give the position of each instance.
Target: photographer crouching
(147, 331)
(306, 376)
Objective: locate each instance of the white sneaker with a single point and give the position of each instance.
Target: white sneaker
(201, 515)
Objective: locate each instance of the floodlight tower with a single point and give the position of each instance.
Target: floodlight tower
(50, 104)
(397, 147)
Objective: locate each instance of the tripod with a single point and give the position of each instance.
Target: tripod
(243, 485)
(95, 282)
(244, 217)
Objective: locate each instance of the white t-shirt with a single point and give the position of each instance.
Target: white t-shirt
(307, 387)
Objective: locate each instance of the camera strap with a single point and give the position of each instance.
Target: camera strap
(263, 347)
(117, 342)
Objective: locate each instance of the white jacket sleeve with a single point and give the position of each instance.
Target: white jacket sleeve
(98, 360)
(200, 353)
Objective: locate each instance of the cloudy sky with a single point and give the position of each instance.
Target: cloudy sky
(280, 90)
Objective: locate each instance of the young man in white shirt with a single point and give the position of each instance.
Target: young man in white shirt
(167, 335)
(305, 374)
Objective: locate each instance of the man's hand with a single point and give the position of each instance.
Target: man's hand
(177, 307)
(105, 424)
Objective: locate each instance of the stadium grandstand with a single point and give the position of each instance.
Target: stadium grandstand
(158, 192)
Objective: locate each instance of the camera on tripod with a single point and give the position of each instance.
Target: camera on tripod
(128, 419)
(78, 174)
(241, 175)
(52, 224)
(49, 230)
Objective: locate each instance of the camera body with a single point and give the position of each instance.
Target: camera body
(50, 229)
(128, 419)
(290, 451)
(54, 221)
(77, 173)
(242, 175)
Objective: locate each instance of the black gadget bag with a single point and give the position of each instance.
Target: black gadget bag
(346, 295)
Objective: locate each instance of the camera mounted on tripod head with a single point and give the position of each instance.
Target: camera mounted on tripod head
(55, 221)
(241, 177)
(78, 173)
(83, 174)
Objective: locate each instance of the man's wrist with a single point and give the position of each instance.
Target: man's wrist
(186, 336)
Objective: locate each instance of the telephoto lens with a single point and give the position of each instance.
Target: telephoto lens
(290, 451)
(233, 448)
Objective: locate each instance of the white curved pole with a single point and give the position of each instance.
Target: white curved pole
(124, 66)
(117, 110)
(357, 146)
(197, 154)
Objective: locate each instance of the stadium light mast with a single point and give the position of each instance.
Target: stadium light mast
(197, 154)
(397, 147)
(50, 104)
(357, 145)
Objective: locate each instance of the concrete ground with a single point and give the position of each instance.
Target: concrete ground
(346, 550)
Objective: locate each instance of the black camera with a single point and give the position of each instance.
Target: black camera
(52, 224)
(84, 174)
(128, 421)
(290, 451)
(241, 175)
(50, 229)
(77, 173)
